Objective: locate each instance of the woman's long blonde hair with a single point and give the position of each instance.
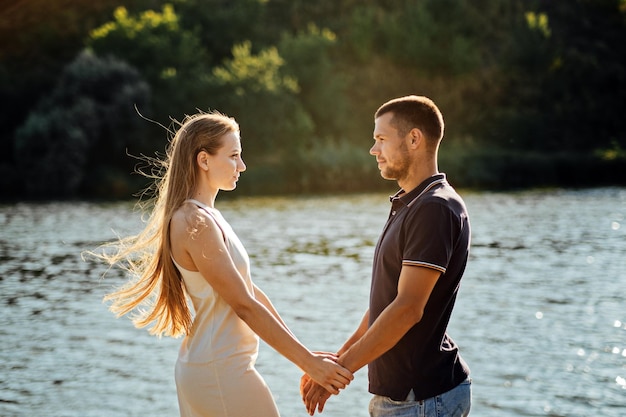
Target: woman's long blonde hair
(155, 282)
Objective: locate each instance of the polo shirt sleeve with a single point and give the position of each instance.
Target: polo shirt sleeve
(429, 236)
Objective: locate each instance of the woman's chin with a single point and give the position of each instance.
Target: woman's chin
(230, 187)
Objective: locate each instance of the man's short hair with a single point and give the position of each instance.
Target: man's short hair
(414, 112)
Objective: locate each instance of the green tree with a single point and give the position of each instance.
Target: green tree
(444, 49)
(567, 78)
(80, 134)
(220, 24)
(170, 58)
(310, 57)
(254, 90)
(38, 38)
(587, 77)
(295, 16)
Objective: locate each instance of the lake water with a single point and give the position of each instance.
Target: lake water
(541, 317)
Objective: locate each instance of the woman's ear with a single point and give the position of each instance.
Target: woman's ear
(202, 159)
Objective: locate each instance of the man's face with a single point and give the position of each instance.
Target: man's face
(390, 149)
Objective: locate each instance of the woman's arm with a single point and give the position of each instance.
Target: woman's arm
(264, 299)
(210, 256)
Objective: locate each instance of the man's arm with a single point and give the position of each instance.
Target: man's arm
(359, 332)
(415, 285)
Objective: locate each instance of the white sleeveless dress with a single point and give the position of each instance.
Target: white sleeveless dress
(215, 373)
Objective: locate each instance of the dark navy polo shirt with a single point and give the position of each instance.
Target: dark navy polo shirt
(427, 227)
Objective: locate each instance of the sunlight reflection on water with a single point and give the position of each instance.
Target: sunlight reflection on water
(540, 316)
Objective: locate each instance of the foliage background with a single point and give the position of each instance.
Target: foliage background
(533, 92)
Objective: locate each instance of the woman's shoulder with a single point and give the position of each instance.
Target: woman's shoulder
(191, 220)
(186, 212)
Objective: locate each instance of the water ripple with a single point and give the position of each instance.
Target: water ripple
(539, 318)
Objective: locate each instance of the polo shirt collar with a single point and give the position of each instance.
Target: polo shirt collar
(408, 198)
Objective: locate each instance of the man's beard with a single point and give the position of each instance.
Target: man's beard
(400, 168)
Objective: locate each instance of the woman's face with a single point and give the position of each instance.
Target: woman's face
(226, 164)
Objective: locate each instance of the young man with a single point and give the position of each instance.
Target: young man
(414, 366)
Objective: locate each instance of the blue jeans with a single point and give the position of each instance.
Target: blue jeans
(454, 403)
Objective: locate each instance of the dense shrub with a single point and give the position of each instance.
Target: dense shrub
(87, 122)
(253, 89)
(503, 169)
(169, 57)
(324, 167)
(535, 87)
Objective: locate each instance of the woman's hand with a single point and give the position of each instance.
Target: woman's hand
(323, 369)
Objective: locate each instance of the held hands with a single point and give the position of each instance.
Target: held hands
(313, 395)
(316, 392)
(326, 372)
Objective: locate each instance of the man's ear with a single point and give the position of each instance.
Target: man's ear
(416, 137)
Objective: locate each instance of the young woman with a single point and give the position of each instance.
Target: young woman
(189, 251)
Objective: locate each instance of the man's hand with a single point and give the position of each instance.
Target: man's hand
(313, 395)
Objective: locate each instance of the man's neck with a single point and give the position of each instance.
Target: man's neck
(416, 178)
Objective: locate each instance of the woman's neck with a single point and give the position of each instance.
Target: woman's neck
(205, 196)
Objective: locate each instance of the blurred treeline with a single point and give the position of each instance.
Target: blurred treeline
(533, 92)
